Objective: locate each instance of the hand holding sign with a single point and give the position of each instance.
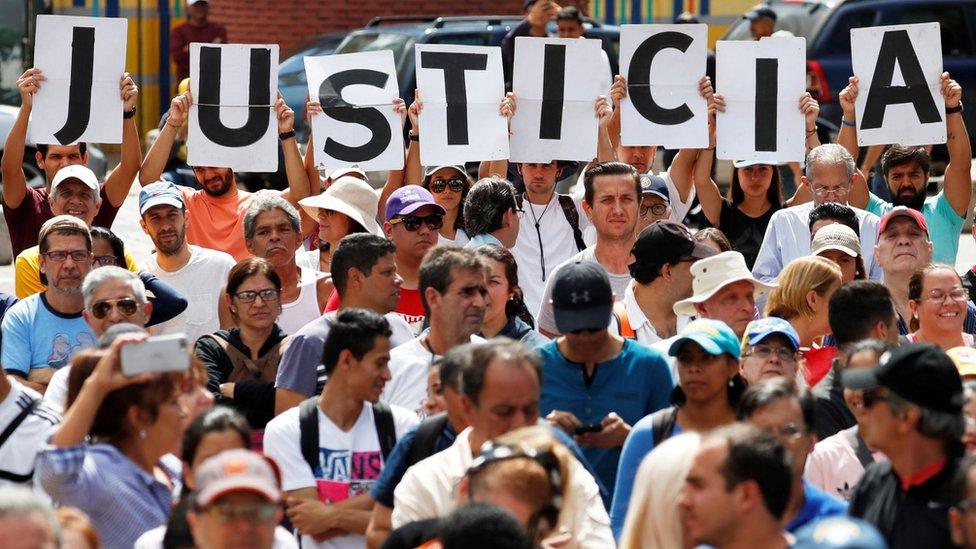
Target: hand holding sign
(28, 84)
(130, 93)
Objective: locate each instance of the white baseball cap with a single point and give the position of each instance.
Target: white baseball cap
(836, 236)
(75, 172)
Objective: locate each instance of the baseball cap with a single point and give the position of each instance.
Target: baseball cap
(408, 199)
(355, 172)
(711, 274)
(965, 360)
(836, 236)
(656, 185)
(158, 194)
(713, 336)
(236, 471)
(758, 11)
(758, 330)
(191, 2)
(747, 163)
(582, 298)
(435, 169)
(75, 172)
(903, 211)
(921, 374)
(665, 242)
(839, 532)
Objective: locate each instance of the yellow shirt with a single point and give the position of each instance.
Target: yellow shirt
(27, 272)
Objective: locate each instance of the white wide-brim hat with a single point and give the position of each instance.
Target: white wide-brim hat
(711, 274)
(347, 195)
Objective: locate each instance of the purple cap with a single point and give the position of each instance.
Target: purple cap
(408, 199)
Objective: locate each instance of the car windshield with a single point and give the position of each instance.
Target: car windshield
(400, 44)
(800, 18)
(296, 63)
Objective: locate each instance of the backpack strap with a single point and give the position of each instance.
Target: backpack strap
(12, 426)
(662, 424)
(240, 362)
(623, 323)
(308, 426)
(385, 430)
(425, 438)
(572, 216)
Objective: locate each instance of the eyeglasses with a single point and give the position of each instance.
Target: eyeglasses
(790, 431)
(106, 261)
(251, 512)
(77, 256)
(958, 294)
(455, 183)
(126, 305)
(248, 296)
(822, 192)
(966, 505)
(764, 352)
(412, 223)
(656, 209)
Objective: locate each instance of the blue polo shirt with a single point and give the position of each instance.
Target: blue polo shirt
(633, 384)
(817, 504)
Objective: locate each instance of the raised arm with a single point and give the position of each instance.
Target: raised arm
(294, 163)
(314, 181)
(11, 165)
(396, 178)
(810, 109)
(860, 194)
(413, 173)
(499, 168)
(118, 183)
(707, 190)
(683, 165)
(155, 161)
(958, 180)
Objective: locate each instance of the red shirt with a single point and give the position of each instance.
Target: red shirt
(24, 221)
(411, 308)
(818, 363)
(923, 475)
(180, 39)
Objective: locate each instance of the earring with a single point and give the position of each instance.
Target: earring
(234, 311)
(142, 434)
(731, 383)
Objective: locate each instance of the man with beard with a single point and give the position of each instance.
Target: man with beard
(42, 332)
(906, 170)
(272, 231)
(217, 210)
(198, 273)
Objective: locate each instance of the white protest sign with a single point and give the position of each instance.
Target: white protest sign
(662, 65)
(899, 97)
(357, 126)
(557, 81)
(232, 121)
(461, 88)
(83, 59)
(762, 83)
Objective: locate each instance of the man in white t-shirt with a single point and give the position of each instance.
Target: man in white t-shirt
(454, 290)
(497, 375)
(364, 272)
(198, 273)
(32, 421)
(329, 503)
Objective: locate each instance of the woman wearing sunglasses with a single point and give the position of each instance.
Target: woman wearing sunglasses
(449, 185)
(167, 301)
(937, 301)
(242, 362)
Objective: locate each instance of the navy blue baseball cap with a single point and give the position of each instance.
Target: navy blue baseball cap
(582, 298)
(758, 330)
(656, 185)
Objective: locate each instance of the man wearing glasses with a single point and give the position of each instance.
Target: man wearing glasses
(914, 403)
(42, 332)
(777, 405)
(829, 175)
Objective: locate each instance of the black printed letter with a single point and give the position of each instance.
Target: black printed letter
(553, 83)
(79, 90)
(334, 106)
(638, 79)
(259, 95)
(897, 47)
(767, 71)
(454, 65)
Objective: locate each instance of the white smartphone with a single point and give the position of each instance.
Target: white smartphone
(164, 353)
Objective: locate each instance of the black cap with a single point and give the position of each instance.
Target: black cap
(921, 374)
(665, 242)
(582, 298)
(759, 11)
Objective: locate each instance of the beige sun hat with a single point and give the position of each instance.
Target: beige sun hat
(347, 195)
(711, 274)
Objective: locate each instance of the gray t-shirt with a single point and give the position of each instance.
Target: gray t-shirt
(301, 369)
(618, 282)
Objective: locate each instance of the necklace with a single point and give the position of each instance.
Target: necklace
(538, 231)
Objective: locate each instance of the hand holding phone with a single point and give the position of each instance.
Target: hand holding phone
(164, 353)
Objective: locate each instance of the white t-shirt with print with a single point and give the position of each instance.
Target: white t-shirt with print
(201, 280)
(349, 461)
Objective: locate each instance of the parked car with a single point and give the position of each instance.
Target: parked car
(291, 75)
(827, 24)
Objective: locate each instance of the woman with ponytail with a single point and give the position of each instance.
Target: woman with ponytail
(507, 315)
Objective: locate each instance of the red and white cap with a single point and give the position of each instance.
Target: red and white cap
(236, 471)
(903, 211)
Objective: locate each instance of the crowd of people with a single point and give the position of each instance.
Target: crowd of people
(483, 361)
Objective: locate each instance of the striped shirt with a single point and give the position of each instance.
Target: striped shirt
(19, 450)
(122, 500)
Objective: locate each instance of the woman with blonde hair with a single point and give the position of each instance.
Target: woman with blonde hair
(804, 291)
(652, 522)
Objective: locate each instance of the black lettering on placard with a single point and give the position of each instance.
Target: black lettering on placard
(454, 65)
(258, 96)
(553, 83)
(896, 46)
(638, 79)
(80, 87)
(767, 71)
(335, 107)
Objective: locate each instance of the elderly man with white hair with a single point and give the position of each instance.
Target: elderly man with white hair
(829, 174)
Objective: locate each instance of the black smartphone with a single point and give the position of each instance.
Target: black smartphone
(588, 428)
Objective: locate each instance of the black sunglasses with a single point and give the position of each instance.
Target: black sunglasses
(455, 183)
(127, 306)
(412, 223)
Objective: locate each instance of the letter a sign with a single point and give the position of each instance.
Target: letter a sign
(83, 59)
(232, 120)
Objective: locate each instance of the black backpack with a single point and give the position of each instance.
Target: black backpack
(662, 424)
(425, 439)
(572, 216)
(308, 425)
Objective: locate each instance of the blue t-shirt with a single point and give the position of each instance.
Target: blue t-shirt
(37, 336)
(943, 221)
(633, 384)
(817, 504)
